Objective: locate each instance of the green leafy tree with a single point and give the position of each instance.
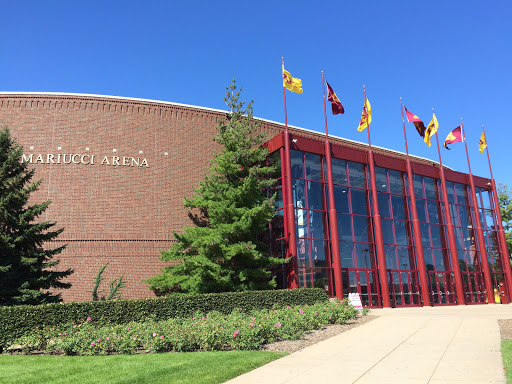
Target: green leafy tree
(231, 210)
(26, 268)
(505, 200)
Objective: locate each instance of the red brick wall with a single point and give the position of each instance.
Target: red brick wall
(118, 214)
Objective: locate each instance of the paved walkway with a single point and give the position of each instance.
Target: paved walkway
(456, 344)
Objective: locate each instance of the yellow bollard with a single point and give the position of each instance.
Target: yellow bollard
(497, 297)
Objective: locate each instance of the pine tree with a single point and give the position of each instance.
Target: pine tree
(26, 268)
(505, 200)
(231, 210)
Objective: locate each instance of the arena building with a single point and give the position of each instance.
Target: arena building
(117, 169)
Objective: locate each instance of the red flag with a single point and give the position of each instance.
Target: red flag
(412, 118)
(454, 136)
(335, 102)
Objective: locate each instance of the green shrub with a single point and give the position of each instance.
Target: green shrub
(22, 320)
(213, 331)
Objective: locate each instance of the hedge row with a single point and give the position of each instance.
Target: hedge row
(20, 320)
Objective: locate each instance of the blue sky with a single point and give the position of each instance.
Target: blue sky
(454, 56)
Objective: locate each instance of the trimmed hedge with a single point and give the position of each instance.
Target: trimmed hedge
(20, 320)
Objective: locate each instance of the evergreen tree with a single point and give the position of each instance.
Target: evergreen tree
(505, 200)
(231, 210)
(26, 268)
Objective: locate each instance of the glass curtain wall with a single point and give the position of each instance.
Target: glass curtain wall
(434, 239)
(276, 231)
(398, 238)
(459, 197)
(311, 222)
(489, 226)
(355, 231)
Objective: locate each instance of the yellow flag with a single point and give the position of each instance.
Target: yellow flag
(483, 143)
(367, 111)
(291, 83)
(431, 129)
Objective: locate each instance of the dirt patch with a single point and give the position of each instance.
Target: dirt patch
(316, 336)
(505, 329)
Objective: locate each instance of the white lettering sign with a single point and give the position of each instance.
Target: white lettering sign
(85, 159)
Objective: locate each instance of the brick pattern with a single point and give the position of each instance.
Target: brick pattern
(123, 215)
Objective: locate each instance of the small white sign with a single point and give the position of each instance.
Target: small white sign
(355, 300)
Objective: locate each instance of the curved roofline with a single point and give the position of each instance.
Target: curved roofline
(203, 108)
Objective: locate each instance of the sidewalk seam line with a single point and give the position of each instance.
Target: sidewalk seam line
(447, 346)
(394, 349)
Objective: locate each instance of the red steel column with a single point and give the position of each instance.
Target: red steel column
(451, 234)
(383, 273)
(479, 231)
(293, 279)
(333, 217)
(425, 294)
(386, 302)
(289, 270)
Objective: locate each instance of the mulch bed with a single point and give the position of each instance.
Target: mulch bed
(316, 336)
(505, 329)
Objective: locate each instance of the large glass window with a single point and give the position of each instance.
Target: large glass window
(311, 222)
(276, 233)
(394, 212)
(429, 208)
(465, 231)
(490, 228)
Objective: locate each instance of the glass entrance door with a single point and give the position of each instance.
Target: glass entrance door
(442, 288)
(404, 288)
(475, 291)
(365, 282)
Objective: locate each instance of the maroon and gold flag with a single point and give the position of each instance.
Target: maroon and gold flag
(483, 143)
(412, 118)
(454, 136)
(335, 102)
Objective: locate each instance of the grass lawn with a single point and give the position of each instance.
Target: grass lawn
(176, 368)
(506, 352)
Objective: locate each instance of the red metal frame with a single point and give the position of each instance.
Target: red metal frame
(293, 280)
(372, 294)
(477, 275)
(308, 144)
(438, 294)
(500, 284)
(479, 231)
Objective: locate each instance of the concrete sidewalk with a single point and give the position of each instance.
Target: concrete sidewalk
(456, 344)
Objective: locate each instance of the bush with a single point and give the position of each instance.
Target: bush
(201, 332)
(22, 320)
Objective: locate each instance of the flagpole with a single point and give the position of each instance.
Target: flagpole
(502, 239)
(479, 231)
(451, 233)
(386, 302)
(333, 217)
(293, 280)
(425, 292)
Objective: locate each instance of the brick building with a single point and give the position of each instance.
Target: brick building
(116, 170)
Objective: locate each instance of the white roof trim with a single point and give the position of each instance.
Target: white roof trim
(198, 107)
